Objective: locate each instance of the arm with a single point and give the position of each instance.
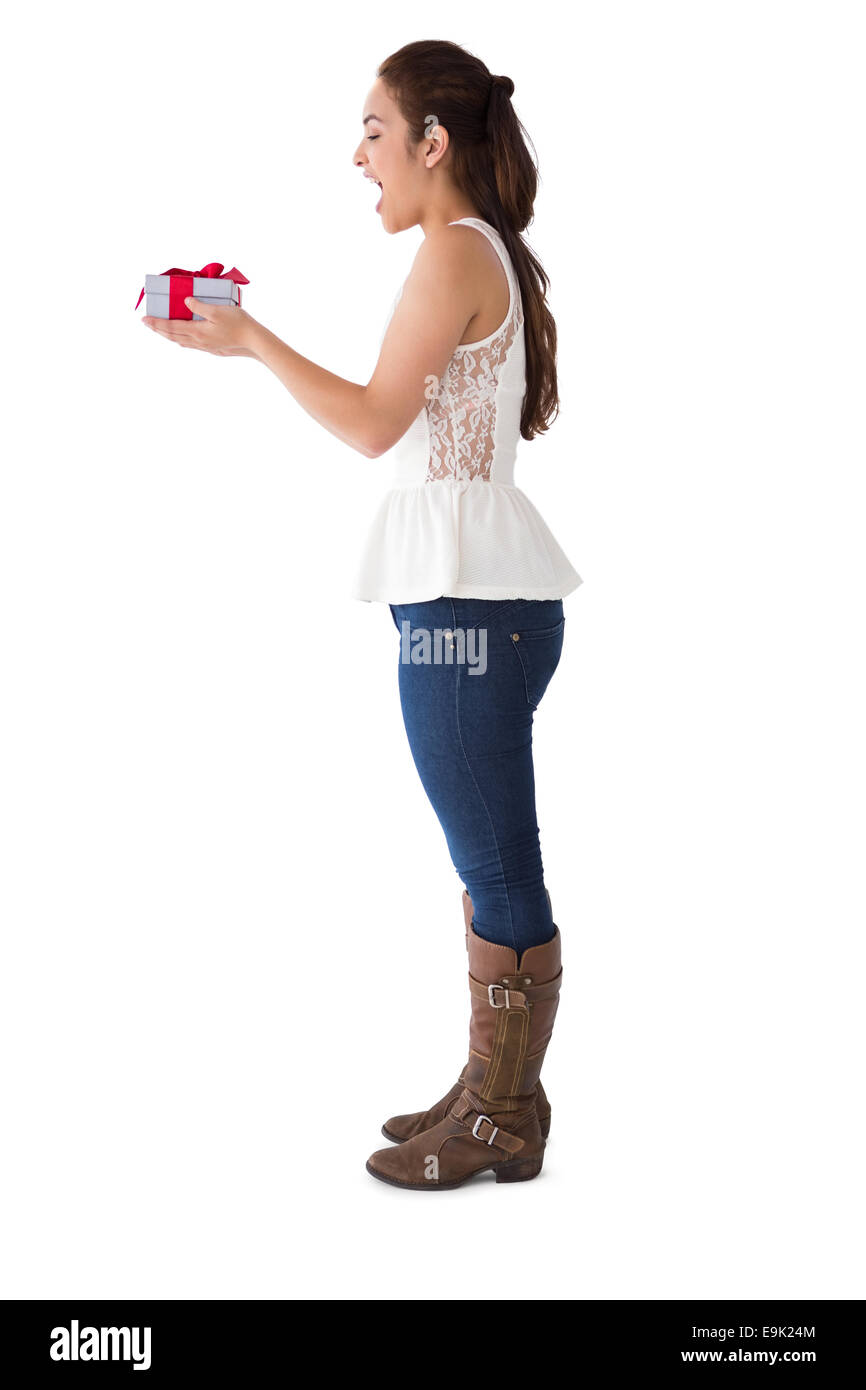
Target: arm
(438, 300)
(440, 297)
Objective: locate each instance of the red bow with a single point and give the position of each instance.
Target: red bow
(181, 285)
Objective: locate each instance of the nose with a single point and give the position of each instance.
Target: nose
(359, 158)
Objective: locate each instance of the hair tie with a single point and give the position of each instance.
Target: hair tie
(505, 83)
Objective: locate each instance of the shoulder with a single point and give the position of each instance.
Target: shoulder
(455, 251)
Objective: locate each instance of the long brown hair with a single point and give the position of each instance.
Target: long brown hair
(492, 165)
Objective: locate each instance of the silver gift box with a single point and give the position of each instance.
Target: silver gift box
(209, 291)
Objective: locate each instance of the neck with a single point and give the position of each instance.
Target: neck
(451, 207)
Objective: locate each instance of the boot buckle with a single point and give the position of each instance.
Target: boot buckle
(485, 1119)
(490, 995)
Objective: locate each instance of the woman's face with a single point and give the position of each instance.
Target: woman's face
(387, 159)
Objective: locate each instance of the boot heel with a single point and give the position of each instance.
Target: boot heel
(519, 1169)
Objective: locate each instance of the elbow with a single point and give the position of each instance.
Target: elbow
(376, 431)
(373, 446)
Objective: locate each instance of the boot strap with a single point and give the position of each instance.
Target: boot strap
(512, 991)
(483, 1128)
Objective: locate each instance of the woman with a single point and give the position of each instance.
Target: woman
(472, 575)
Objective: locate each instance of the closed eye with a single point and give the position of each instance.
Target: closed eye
(372, 137)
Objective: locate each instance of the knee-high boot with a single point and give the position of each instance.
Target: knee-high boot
(493, 1122)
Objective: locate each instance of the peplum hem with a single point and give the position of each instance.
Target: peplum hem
(457, 538)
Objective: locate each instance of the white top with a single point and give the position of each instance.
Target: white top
(453, 522)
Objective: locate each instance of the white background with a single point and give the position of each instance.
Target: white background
(232, 939)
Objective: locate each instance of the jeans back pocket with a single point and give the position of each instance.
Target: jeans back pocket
(538, 651)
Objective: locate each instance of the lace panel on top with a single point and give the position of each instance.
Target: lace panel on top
(462, 414)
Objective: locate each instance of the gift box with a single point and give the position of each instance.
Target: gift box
(166, 292)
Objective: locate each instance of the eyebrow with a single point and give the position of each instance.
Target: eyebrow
(372, 118)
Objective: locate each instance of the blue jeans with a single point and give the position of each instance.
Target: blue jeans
(469, 697)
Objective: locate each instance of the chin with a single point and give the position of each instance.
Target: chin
(393, 225)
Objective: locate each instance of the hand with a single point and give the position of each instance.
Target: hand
(227, 331)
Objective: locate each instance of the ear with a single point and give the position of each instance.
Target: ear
(436, 142)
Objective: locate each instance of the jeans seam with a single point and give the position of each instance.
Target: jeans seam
(480, 793)
(522, 664)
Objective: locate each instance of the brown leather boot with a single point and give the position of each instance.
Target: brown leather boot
(402, 1127)
(493, 1123)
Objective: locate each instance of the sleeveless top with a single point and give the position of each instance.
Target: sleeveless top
(453, 521)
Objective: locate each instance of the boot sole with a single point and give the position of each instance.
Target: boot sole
(395, 1138)
(512, 1170)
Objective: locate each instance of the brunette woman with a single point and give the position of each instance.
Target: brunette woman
(471, 573)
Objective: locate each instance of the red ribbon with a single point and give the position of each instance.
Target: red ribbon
(180, 286)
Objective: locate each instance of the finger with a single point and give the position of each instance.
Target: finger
(167, 329)
(171, 328)
(207, 311)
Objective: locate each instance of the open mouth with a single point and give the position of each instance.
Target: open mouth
(381, 191)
